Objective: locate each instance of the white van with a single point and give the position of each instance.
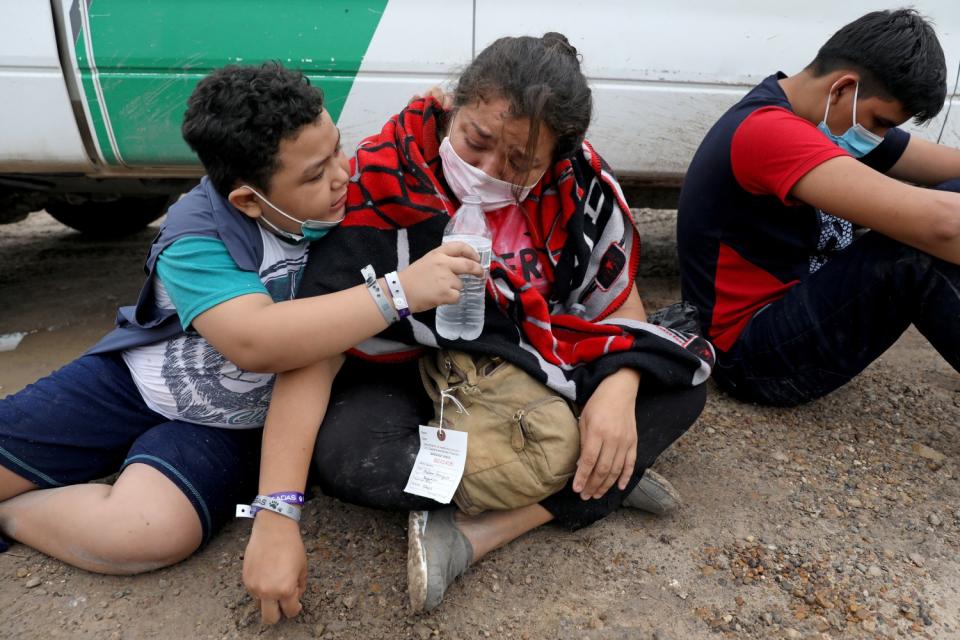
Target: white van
(94, 90)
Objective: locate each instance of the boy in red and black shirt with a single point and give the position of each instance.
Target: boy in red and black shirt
(795, 299)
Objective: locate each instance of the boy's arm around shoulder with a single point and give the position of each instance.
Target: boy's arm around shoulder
(926, 219)
(257, 334)
(275, 563)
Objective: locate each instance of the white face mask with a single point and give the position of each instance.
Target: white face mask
(465, 179)
(310, 230)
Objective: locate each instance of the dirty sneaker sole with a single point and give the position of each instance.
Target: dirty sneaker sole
(417, 560)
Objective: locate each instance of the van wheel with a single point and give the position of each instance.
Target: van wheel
(112, 218)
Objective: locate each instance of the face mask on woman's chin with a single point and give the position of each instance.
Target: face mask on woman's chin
(465, 179)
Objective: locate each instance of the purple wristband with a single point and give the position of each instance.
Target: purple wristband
(289, 497)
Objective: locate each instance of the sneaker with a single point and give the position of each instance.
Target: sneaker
(655, 494)
(437, 553)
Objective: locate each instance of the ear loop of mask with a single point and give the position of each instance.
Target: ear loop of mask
(309, 224)
(870, 135)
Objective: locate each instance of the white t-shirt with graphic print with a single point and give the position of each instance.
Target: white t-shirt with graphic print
(186, 378)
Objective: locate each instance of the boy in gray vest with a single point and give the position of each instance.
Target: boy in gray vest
(175, 396)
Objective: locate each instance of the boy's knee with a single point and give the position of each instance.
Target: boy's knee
(894, 260)
(12, 484)
(137, 541)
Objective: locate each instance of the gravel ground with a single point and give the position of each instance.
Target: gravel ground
(840, 519)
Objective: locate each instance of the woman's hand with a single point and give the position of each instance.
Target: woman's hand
(437, 93)
(608, 436)
(434, 279)
(275, 566)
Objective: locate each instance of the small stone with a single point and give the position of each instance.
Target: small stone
(677, 589)
(33, 582)
(934, 520)
(916, 559)
(349, 601)
(318, 630)
(869, 625)
(780, 456)
(874, 571)
(928, 453)
(422, 631)
(596, 623)
(22, 573)
(791, 634)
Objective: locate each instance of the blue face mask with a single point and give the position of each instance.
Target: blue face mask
(310, 230)
(858, 141)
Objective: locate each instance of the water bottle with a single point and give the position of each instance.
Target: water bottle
(464, 319)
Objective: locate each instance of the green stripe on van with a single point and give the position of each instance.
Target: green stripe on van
(149, 55)
(93, 103)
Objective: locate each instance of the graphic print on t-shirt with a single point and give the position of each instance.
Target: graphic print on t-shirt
(513, 244)
(186, 378)
(835, 234)
(209, 389)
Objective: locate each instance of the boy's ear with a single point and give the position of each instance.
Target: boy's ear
(246, 201)
(845, 82)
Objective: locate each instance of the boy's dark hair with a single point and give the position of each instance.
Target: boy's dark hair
(237, 116)
(897, 55)
(542, 81)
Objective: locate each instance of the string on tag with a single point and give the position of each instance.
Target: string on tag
(446, 394)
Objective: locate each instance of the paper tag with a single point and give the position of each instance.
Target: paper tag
(439, 465)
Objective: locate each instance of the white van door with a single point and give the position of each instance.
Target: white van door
(664, 72)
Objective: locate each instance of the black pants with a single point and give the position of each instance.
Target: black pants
(370, 437)
(831, 325)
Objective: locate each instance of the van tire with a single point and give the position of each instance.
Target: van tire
(110, 219)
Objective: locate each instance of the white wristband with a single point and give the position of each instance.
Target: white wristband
(376, 292)
(270, 504)
(399, 296)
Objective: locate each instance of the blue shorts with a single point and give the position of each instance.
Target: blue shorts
(88, 420)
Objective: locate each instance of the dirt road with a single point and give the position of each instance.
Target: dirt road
(837, 520)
